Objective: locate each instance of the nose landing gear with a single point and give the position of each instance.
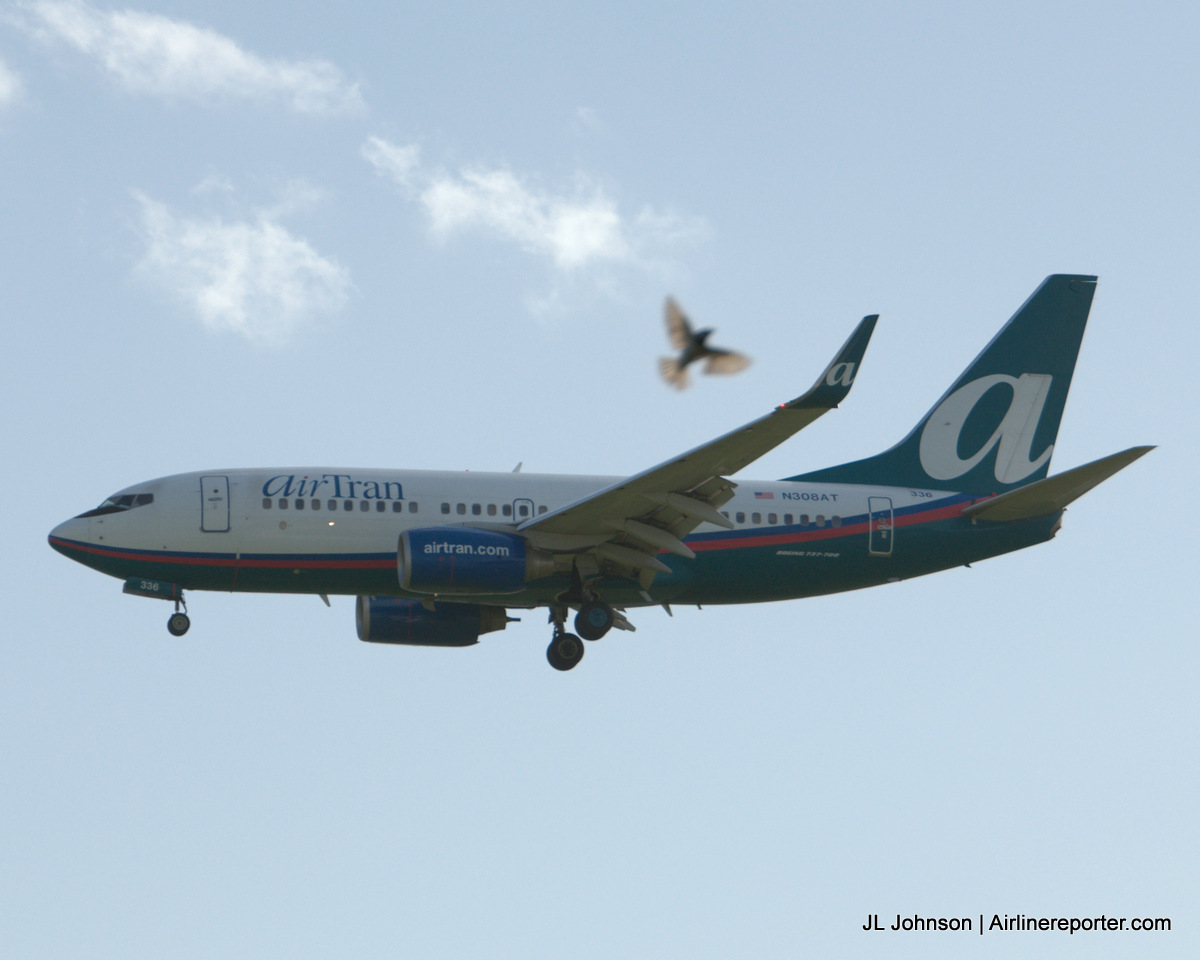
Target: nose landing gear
(179, 622)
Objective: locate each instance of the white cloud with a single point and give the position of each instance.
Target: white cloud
(10, 85)
(587, 121)
(576, 229)
(253, 277)
(572, 231)
(152, 54)
(398, 163)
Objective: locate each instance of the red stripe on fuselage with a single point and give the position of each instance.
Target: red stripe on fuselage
(825, 533)
(225, 560)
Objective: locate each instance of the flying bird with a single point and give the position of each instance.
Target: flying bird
(692, 345)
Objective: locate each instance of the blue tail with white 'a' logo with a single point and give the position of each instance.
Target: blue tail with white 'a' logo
(994, 430)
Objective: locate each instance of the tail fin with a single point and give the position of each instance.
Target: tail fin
(994, 429)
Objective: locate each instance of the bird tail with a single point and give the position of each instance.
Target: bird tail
(671, 370)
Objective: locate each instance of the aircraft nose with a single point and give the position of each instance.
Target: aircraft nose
(75, 530)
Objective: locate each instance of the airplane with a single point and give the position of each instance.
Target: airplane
(441, 558)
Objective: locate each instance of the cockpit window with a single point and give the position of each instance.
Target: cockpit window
(118, 504)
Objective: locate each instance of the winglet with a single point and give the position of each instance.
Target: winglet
(833, 385)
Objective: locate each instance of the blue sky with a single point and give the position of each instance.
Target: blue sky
(441, 238)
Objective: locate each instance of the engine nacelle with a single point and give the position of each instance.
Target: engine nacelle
(392, 620)
(467, 560)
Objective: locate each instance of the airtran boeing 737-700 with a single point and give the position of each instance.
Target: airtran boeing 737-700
(439, 559)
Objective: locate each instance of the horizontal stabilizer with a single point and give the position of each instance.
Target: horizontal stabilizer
(1048, 496)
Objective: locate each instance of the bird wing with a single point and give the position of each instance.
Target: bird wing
(726, 361)
(674, 372)
(679, 331)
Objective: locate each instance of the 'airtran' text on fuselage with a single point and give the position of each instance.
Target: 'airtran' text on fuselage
(817, 497)
(332, 485)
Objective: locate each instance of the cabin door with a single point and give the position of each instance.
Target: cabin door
(214, 504)
(881, 533)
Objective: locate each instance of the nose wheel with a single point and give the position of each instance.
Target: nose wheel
(179, 622)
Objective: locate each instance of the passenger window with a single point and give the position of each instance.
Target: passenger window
(412, 506)
(363, 506)
(380, 506)
(397, 506)
(316, 504)
(491, 509)
(523, 510)
(741, 517)
(756, 518)
(725, 514)
(331, 504)
(804, 519)
(542, 510)
(772, 518)
(445, 508)
(506, 510)
(267, 503)
(820, 520)
(283, 504)
(837, 521)
(460, 509)
(787, 518)
(299, 504)
(476, 509)
(347, 505)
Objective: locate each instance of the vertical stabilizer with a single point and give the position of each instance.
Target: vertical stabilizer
(995, 428)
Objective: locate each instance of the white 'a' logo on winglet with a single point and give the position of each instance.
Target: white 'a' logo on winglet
(939, 439)
(842, 373)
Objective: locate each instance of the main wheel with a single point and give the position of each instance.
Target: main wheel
(565, 651)
(594, 620)
(178, 625)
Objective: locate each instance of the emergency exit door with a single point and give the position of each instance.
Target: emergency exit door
(881, 532)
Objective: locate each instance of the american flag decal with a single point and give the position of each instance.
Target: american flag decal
(759, 495)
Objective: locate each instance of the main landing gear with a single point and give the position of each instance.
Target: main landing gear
(565, 650)
(594, 619)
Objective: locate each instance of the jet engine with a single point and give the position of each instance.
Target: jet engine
(467, 560)
(393, 620)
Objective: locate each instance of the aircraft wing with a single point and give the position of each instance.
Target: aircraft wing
(627, 523)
